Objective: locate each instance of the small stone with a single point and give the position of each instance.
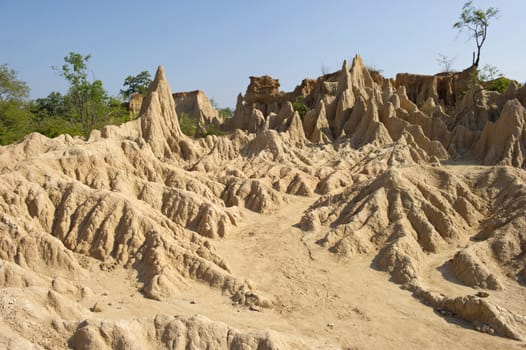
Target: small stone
(192, 302)
(96, 308)
(85, 292)
(254, 308)
(482, 294)
(487, 329)
(330, 325)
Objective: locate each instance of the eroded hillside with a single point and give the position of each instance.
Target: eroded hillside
(391, 214)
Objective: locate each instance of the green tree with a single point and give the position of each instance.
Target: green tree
(476, 21)
(137, 84)
(75, 68)
(16, 119)
(214, 103)
(10, 87)
(117, 111)
(223, 112)
(52, 105)
(226, 112)
(86, 101)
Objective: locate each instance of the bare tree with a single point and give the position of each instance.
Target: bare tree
(445, 62)
(476, 21)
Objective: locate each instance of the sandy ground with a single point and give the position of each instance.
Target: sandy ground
(320, 299)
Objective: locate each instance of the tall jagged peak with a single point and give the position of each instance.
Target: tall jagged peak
(159, 122)
(345, 78)
(357, 61)
(360, 76)
(345, 66)
(158, 85)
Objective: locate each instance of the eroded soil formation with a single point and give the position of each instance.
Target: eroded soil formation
(392, 214)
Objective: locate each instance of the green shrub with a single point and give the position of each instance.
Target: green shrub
(300, 106)
(15, 121)
(211, 129)
(56, 125)
(117, 112)
(225, 112)
(499, 84)
(188, 124)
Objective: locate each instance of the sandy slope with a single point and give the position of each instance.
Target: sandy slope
(321, 301)
(341, 299)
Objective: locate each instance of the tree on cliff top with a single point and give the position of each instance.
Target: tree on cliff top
(476, 21)
(137, 84)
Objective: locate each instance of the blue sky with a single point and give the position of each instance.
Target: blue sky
(216, 45)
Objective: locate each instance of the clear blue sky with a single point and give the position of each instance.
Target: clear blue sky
(216, 45)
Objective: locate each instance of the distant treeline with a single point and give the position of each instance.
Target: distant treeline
(85, 106)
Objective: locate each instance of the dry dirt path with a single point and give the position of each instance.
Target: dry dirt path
(320, 300)
(320, 295)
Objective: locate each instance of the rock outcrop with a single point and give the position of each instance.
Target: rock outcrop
(197, 105)
(134, 104)
(468, 268)
(443, 88)
(263, 93)
(444, 115)
(196, 332)
(504, 141)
